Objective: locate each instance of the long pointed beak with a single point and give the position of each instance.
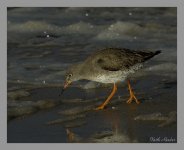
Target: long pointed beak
(66, 84)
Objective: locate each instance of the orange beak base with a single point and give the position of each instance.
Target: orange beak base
(66, 84)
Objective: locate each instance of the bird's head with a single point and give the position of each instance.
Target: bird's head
(68, 80)
(72, 74)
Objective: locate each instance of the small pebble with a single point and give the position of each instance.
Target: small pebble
(113, 107)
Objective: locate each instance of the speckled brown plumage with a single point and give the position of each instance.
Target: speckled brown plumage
(115, 59)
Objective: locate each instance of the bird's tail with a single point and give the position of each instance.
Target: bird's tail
(157, 52)
(151, 54)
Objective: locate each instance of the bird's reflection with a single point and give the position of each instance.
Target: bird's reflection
(121, 128)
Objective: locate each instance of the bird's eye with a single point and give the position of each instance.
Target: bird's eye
(70, 75)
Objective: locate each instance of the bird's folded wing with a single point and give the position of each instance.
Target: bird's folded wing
(117, 61)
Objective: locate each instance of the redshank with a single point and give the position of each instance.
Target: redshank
(110, 65)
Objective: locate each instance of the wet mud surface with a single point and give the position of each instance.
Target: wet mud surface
(72, 118)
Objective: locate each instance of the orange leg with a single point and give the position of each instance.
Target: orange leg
(108, 99)
(132, 95)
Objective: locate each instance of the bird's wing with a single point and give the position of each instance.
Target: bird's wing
(109, 62)
(115, 60)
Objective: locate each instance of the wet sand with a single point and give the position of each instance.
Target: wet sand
(72, 118)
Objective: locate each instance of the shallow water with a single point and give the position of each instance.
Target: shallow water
(119, 122)
(44, 42)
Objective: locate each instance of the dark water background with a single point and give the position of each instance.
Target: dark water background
(43, 42)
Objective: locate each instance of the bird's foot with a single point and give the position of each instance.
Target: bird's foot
(101, 107)
(108, 99)
(132, 97)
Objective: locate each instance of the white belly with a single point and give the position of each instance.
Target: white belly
(111, 78)
(116, 76)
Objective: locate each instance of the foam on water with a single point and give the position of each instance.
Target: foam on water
(31, 26)
(43, 42)
(119, 30)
